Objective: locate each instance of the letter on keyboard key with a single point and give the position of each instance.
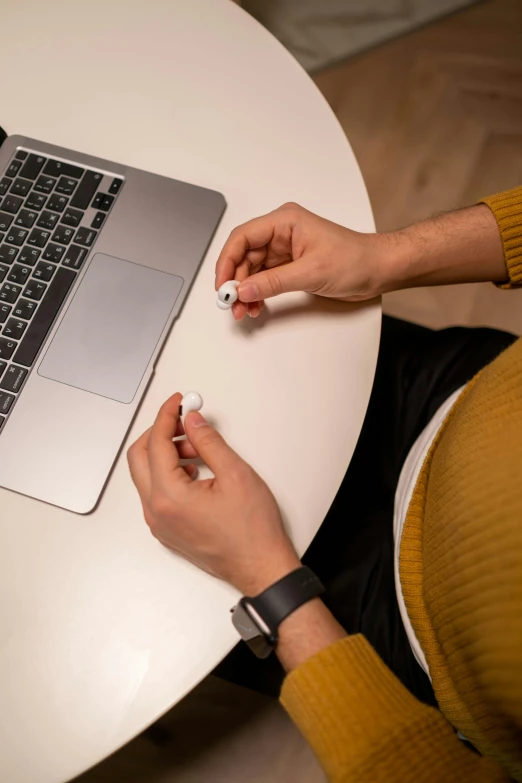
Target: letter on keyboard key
(6, 400)
(13, 379)
(9, 292)
(6, 348)
(44, 317)
(34, 290)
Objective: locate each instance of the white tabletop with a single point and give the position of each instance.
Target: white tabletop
(101, 628)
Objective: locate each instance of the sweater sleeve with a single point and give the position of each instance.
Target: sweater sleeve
(365, 726)
(507, 208)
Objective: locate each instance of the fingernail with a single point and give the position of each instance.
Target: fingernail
(248, 292)
(196, 419)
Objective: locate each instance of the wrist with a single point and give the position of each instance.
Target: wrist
(394, 258)
(266, 572)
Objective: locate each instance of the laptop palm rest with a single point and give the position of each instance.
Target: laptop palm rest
(111, 328)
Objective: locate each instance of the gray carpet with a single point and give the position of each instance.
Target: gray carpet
(322, 32)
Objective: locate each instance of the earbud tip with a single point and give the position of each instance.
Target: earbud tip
(223, 305)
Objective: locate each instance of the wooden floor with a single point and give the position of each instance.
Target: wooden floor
(435, 120)
(435, 117)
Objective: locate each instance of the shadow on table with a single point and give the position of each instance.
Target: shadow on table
(312, 307)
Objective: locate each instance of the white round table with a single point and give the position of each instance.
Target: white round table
(102, 629)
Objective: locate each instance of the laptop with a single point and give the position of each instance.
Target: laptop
(96, 260)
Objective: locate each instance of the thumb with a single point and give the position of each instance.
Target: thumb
(272, 282)
(211, 447)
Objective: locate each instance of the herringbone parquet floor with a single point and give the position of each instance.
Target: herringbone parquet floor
(435, 120)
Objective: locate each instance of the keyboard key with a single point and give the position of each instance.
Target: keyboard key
(19, 274)
(106, 203)
(13, 168)
(74, 257)
(29, 256)
(3, 271)
(21, 187)
(34, 290)
(9, 292)
(11, 204)
(13, 379)
(4, 185)
(24, 309)
(116, 185)
(56, 168)
(48, 219)
(6, 400)
(86, 189)
(7, 348)
(85, 236)
(44, 317)
(4, 313)
(14, 328)
(16, 236)
(63, 234)
(32, 166)
(57, 203)
(72, 217)
(26, 218)
(66, 185)
(21, 154)
(98, 200)
(5, 221)
(35, 201)
(3, 365)
(44, 271)
(8, 254)
(38, 237)
(45, 184)
(2, 419)
(98, 220)
(53, 253)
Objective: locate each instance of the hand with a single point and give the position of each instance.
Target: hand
(291, 249)
(230, 525)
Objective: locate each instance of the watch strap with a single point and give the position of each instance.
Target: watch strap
(275, 603)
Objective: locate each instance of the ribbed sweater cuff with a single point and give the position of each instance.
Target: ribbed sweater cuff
(349, 705)
(507, 208)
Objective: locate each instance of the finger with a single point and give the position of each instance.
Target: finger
(254, 308)
(239, 309)
(209, 444)
(163, 454)
(252, 235)
(272, 282)
(138, 459)
(186, 450)
(191, 471)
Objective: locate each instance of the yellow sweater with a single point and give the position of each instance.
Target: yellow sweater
(461, 575)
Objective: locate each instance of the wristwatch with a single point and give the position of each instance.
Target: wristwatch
(257, 619)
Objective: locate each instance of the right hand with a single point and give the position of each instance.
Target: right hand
(291, 249)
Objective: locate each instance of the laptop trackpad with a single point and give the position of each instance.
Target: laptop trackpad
(112, 326)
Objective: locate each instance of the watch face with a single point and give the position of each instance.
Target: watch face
(244, 624)
(260, 644)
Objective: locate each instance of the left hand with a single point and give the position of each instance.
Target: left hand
(230, 525)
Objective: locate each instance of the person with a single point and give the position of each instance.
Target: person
(410, 669)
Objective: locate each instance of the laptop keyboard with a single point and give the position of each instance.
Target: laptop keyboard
(51, 213)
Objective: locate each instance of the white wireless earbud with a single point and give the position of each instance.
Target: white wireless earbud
(227, 294)
(192, 401)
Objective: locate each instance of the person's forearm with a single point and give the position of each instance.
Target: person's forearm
(457, 247)
(306, 632)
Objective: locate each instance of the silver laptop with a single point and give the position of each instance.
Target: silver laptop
(96, 260)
